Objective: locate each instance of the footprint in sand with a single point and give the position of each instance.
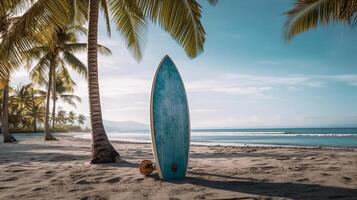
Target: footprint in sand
(347, 179)
(9, 179)
(4, 187)
(38, 189)
(325, 174)
(18, 170)
(113, 180)
(92, 197)
(82, 182)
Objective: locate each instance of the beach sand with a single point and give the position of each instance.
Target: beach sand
(34, 169)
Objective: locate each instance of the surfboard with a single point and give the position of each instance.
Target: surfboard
(170, 122)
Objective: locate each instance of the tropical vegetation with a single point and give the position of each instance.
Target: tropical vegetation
(53, 58)
(27, 112)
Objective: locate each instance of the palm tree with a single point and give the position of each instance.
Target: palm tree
(54, 56)
(19, 26)
(308, 14)
(6, 21)
(63, 90)
(81, 118)
(20, 101)
(61, 118)
(130, 18)
(36, 107)
(71, 117)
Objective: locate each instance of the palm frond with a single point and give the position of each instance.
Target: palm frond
(70, 99)
(78, 29)
(213, 2)
(181, 19)
(104, 7)
(38, 74)
(36, 52)
(308, 14)
(64, 81)
(71, 96)
(40, 20)
(131, 23)
(82, 47)
(75, 63)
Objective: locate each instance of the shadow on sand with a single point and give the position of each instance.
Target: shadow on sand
(258, 187)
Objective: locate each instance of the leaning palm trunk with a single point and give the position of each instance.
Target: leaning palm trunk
(48, 135)
(5, 115)
(54, 101)
(102, 150)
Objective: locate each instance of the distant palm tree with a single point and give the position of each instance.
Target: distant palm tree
(61, 118)
(180, 18)
(308, 14)
(71, 117)
(54, 56)
(20, 101)
(37, 106)
(81, 118)
(64, 87)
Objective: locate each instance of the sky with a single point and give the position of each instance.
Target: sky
(247, 76)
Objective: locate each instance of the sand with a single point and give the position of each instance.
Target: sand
(34, 169)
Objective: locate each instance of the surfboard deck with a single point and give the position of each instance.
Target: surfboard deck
(170, 122)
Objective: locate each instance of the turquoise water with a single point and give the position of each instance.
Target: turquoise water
(325, 137)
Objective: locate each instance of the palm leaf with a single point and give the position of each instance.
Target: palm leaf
(70, 99)
(64, 79)
(75, 63)
(131, 23)
(38, 74)
(181, 19)
(104, 7)
(82, 47)
(308, 14)
(78, 29)
(212, 2)
(38, 21)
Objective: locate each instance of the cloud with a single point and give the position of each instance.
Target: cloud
(125, 86)
(205, 110)
(350, 79)
(246, 84)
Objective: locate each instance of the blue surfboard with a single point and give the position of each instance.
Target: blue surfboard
(170, 122)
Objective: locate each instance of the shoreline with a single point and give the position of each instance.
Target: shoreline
(229, 145)
(75, 134)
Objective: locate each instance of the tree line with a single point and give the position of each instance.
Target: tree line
(26, 111)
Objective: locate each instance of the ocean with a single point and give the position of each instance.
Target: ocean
(309, 137)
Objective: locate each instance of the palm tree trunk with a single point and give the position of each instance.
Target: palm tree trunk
(5, 116)
(54, 100)
(48, 135)
(102, 150)
(34, 113)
